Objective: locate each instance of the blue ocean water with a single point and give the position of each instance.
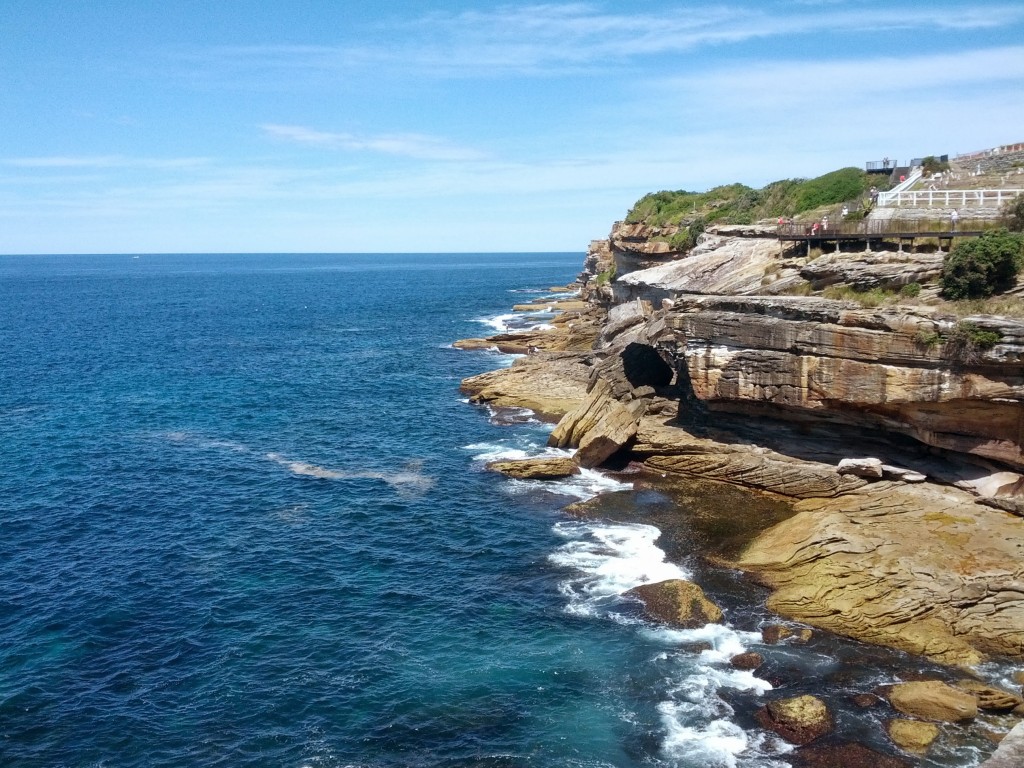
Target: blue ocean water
(245, 522)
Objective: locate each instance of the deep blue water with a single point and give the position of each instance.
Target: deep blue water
(245, 522)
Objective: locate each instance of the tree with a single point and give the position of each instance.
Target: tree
(1013, 213)
(980, 267)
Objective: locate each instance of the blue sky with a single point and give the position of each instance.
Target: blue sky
(309, 125)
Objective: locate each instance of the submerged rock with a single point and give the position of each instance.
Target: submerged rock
(677, 602)
(845, 756)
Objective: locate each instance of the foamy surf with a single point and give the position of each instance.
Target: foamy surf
(609, 559)
(410, 481)
(606, 561)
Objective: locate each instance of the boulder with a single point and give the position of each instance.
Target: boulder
(1010, 752)
(912, 735)
(869, 468)
(677, 602)
(798, 720)
(600, 425)
(989, 698)
(933, 700)
(750, 660)
(552, 468)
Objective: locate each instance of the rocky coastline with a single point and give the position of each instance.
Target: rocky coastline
(898, 453)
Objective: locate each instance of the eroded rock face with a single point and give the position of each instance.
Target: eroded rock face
(551, 384)
(933, 700)
(989, 697)
(920, 568)
(871, 367)
(677, 602)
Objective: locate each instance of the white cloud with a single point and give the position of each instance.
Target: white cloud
(551, 38)
(102, 161)
(412, 145)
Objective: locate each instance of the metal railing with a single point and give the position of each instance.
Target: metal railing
(947, 197)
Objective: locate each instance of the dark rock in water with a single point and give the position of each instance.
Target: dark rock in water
(799, 720)
(776, 633)
(677, 602)
(865, 700)
(845, 756)
(697, 647)
(748, 660)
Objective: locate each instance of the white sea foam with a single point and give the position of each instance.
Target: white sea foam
(609, 559)
(586, 484)
(498, 322)
(718, 743)
(410, 481)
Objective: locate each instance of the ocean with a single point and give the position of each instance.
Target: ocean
(246, 522)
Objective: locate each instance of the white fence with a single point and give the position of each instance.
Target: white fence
(948, 198)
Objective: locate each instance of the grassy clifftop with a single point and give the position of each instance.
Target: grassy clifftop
(740, 204)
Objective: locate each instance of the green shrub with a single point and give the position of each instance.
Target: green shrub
(932, 164)
(1013, 214)
(966, 342)
(982, 266)
(832, 188)
(686, 238)
(607, 276)
(911, 290)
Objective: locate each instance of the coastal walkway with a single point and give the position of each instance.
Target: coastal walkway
(864, 232)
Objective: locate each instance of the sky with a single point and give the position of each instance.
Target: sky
(178, 126)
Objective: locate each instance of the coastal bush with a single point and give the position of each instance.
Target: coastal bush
(608, 276)
(966, 342)
(982, 266)
(911, 290)
(740, 204)
(687, 237)
(831, 189)
(1013, 214)
(932, 164)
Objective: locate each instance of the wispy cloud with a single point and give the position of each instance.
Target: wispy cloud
(412, 145)
(102, 161)
(552, 38)
(854, 78)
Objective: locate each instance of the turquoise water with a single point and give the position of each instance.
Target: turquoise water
(245, 522)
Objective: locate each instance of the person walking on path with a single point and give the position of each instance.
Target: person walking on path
(954, 217)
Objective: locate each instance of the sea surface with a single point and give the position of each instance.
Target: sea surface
(245, 521)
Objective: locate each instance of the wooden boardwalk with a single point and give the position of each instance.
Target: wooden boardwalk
(867, 231)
